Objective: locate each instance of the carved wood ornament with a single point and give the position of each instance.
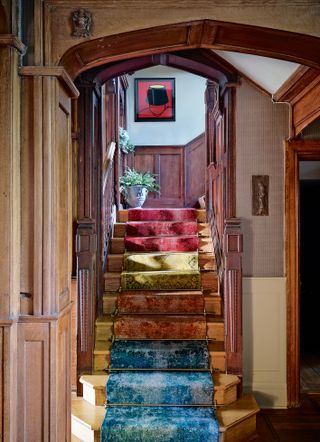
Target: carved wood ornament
(82, 23)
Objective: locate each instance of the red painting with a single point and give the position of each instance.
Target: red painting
(155, 99)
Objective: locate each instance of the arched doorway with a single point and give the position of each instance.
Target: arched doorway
(93, 56)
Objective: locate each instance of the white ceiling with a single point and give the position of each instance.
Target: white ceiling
(269, 73)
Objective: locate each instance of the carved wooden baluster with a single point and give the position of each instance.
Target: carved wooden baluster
(232, 250)
(86, 246)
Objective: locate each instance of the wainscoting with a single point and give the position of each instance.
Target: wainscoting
(264, 340)
(180, 171)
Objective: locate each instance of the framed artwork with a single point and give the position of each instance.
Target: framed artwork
(154, 99)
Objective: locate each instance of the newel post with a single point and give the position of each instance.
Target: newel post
(232, 281)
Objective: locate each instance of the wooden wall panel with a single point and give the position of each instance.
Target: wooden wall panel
(63, 207)
(168, 163)
(307, 109)
(1, 379)
(63, 379)
(34, 381)
(195, 170)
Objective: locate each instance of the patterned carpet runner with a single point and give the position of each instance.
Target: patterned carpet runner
(160, 385)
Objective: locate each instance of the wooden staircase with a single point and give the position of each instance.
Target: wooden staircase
(237, 416)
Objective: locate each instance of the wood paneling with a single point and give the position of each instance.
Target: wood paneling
(9, 182)
(167, 162)
(63, 198)
(295, 151)
(34, 381)
(63, 380)
(195, 170)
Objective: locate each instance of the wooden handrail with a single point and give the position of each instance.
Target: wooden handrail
(107, 164)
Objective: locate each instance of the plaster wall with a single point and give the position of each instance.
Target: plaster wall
(190, 110)
(113, 17)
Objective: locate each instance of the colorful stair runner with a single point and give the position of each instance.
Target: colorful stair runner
(160, 385)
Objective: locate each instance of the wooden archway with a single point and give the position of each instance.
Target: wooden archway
(299, 48)
(204, 35)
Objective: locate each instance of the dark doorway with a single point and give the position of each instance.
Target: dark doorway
(309, 286)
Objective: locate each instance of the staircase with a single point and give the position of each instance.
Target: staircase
(168, 355)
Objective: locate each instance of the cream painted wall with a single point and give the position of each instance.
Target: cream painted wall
(190, 110)
(264, 340)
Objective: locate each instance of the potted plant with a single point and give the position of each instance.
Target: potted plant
(135, 185)
(126, 145)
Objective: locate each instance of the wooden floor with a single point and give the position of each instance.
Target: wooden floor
(295, 425)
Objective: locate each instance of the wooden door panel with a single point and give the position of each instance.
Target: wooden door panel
(167, 162)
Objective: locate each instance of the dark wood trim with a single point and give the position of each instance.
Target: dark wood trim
(295, 151)
(302, 91)
(201, 62)
(299, 48)
(47, 71)
(232, 293)
(295, 84)
(13, 41)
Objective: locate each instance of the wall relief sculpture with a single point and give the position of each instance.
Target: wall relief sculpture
(260, 195)
(82, 23)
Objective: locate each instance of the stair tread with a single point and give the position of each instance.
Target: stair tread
(236, 412)
(89, 415)
(103, 347)
(220, 380)
(162, 293)
(95, 381)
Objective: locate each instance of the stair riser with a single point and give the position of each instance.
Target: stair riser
(212, 304)
(161, 281)
(125, 328)
(84, 433)
(122, 216)
(135, 328)
(102, 361)
(240, 432)
(117, 245)
(160, 304)
(115, 262)
(209, 281)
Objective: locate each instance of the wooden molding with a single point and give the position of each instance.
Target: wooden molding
(13, 41)
(50, 71)
(295, 151)
(210, 34)
(301, 90)
(295, 84)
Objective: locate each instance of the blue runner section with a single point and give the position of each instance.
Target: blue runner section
(157, 388)
(160, 424)
(159, 355)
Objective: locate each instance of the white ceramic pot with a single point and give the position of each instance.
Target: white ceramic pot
(136, 195)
